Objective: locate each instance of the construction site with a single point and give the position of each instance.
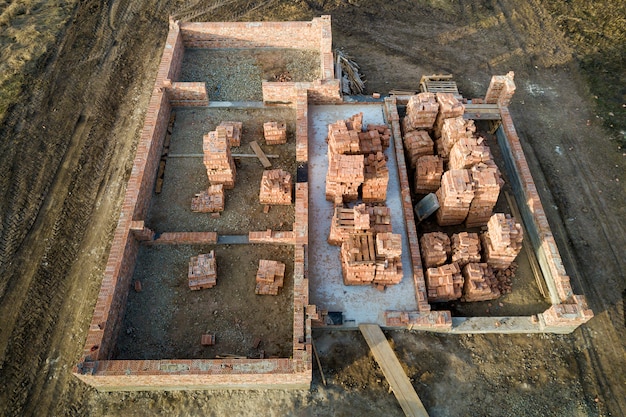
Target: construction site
(296, 232)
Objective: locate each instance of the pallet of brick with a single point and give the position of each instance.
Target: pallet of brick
(358, 259)
(389, 245)
(376, 178)
(346, 221)
(428, 172)
(344, 177)
(380, 218)
(487, 182)
(465, 248)
(388, 272)
(480, 283)
(355, 122)
(444, 283)
(370, 142)
(209, 201)
(449, 107)
(502, 241)
(342, 140)
(270, 277)
(421, 112)
(275, 133)
(233, 131)
(454, 196)
(417, 143)
(501, 89)
(435, 249)
(218, 160)
(384, 133)
(202, 271)
(452, 130)
(468, 152)
(275, 187)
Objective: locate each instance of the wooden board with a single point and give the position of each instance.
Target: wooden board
(388, 362)
(260, 154)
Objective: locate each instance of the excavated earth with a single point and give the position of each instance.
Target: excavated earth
(86, 71)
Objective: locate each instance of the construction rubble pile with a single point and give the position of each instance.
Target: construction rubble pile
(202, 271)
(218, 160)
(275, 133)
(209, 201)
(270, 277)
(275, 187)
(502, 241)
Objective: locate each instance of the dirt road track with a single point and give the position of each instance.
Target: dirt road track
(66, 151)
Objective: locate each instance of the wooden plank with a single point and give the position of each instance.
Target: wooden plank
(260, 154)
(389, 363)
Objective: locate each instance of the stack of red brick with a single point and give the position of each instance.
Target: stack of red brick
(455, 196)
(275, 187)
(388, 259)
(502, 241)
(210, 201)
(480, 283)
(435, 249)
(417, 143)
(380, 218)
(487, 183)
(469, 151)
(270, 277)
(346, 221)
(421, 112)
(444, 283)
(345, 175)
(366, 259)
(449, 107)
(370, 142)
(452, 130)
(428, 172)
(275, 133)
(501, 89)
(376, 178)
(233, 132)
(218, 159)
(202, 271)
(342, 140)
(465, 248)
(384, 136)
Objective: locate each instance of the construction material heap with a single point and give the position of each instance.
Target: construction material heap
(270, 277)
(202, 271)
(368, 259)
(233, 131)
(502, 242)
(275, 133)
(209, 201)
(275, 187)
(218, 160)
(376, 178)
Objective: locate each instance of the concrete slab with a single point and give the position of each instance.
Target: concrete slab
(359, 304)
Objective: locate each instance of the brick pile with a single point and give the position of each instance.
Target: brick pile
(388, 260)
(435, 249)
(275, 187)
(209, 201)
(202, 271)
(270, 277)
(218, 160)
(345, 175)
(389, 245)
(501, 89)
(343, 140)
(480, 283)
(465, 248)
(449, 107)
(355, 122)
(370, 142)
(233, 131)
(358, 259)
(380, 218)
(346, 221)
(384, 134)
(502, 241)
(428, 172)
(207, 339)
(487, 183)
(455, 196)
(444, 283)
(275, 133)
(417, 143)
(467, 152)
(421, 112)
(376, 178)
(452, 130)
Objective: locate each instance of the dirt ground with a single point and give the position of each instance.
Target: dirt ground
(67, 145)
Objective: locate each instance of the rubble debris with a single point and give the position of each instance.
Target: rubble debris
(428, 172)
(218, 160)
(455, 196)
(480, 283)
(275, 133)
(505, 278)
(376, 178)
(465, 248)
(444, 283)
(270, 277)
(421, 112)
(502, 241)
(275, 187)
(202, 271)
(233, 131)
(417, 143)
(209, 201)
(435, 248)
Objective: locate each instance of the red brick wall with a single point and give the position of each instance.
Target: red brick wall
(319, 92)
(184, 94)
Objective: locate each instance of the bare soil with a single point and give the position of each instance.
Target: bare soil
(67, 146)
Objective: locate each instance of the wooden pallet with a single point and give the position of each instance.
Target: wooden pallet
(439, 83)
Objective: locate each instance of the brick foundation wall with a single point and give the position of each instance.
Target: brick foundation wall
(319, 92)
(273, 237)
(302, 126)
(187, 94)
